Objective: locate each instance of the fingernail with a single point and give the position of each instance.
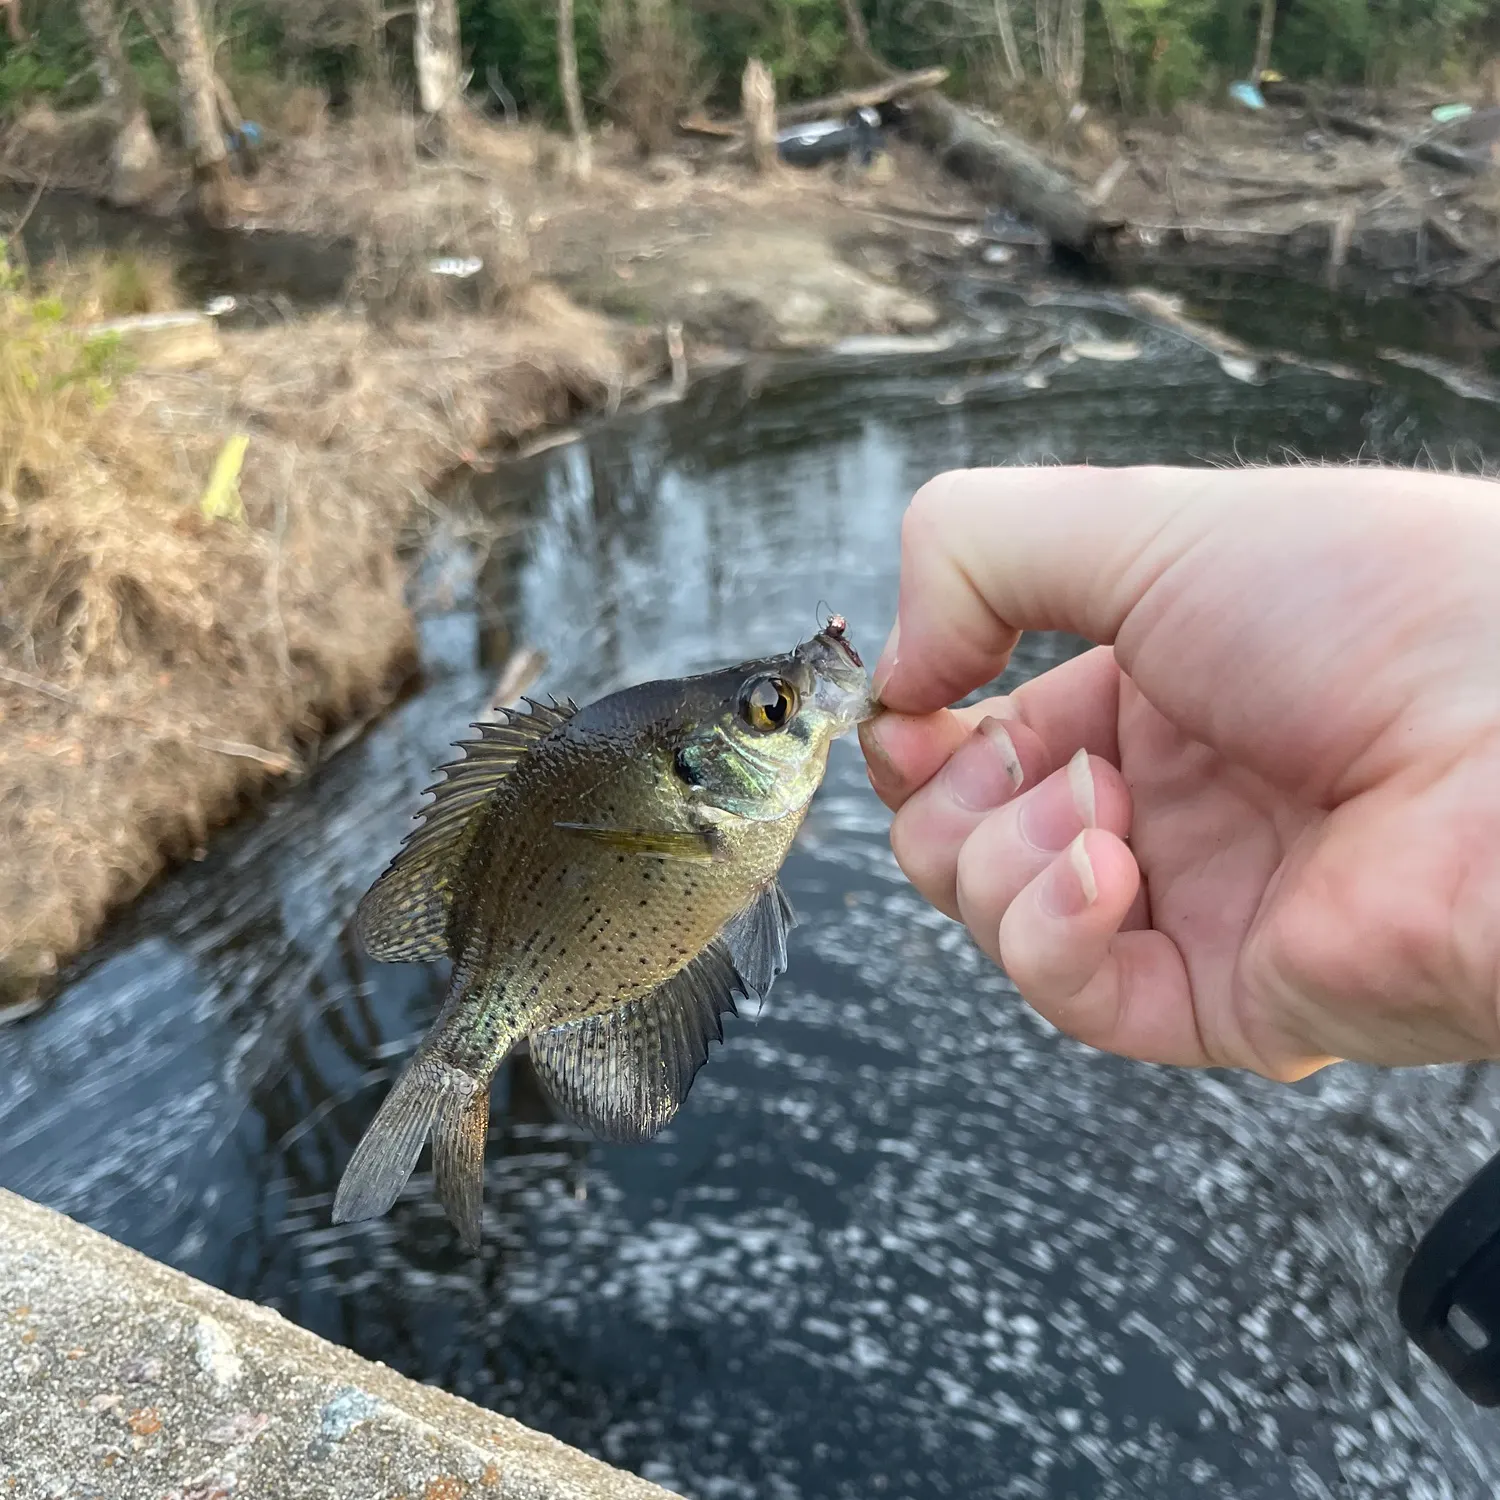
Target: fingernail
(1081, 786)
(1070, 886)
(878, 763)
(985, 770)
(1078, 857)
(887, 663)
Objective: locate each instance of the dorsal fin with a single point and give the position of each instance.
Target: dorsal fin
(622, 1075)
(404, 915)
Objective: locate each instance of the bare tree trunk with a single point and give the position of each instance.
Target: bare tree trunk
(1045, 34)
(435, 54)
(1120, 52)
(1006, 27)
(859, 33)
(135, 158)
(200, 114)
(13, 24)
(567, 68)
(1070, 51)
(1263, 39)
(758, 101)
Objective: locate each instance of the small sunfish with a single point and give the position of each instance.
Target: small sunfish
(605, 881)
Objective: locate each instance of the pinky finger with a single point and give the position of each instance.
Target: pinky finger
(1061, 944)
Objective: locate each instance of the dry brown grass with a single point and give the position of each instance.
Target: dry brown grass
(394, 276)
(157, 666)
(655, 69)
(71, 148)
(97, 285)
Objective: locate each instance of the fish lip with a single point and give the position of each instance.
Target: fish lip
(842, 686)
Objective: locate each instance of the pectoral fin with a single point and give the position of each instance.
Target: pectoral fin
(697, 847)
(756, 940)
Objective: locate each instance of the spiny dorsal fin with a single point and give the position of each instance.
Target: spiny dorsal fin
(624, 1074)
(404, 915)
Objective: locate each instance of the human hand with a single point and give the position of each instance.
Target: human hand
(1282, 846)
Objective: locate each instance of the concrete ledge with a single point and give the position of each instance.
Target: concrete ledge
(122, 1378)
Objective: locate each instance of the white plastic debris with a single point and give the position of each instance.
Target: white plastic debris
(1107, 351)
(453, 265)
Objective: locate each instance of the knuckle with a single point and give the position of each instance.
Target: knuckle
(931, 504)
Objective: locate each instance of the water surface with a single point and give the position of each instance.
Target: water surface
(903, 1239)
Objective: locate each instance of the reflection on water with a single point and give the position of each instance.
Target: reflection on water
(903, 1239)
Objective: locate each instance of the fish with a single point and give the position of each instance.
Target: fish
(605, 882)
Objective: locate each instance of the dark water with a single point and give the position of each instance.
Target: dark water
(271, 271)
(903, 1239)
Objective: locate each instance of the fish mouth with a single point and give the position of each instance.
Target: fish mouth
(842, 687)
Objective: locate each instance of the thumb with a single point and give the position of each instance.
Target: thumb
(988, 553)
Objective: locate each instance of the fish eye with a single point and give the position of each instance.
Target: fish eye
(768, 703)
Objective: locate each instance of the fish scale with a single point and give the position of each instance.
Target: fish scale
(604, 880)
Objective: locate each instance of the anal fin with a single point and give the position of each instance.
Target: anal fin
(622, 1075)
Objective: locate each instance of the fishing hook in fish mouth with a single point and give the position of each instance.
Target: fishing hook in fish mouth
(836, 629)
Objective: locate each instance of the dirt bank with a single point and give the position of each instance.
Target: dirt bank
(162, 664)
(1335, 188)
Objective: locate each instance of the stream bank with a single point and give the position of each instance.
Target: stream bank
(161, 667)
(168, 658)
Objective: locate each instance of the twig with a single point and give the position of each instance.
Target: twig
(39, 685)
(238, 748)
(273, 573)
(964, 217)
(678, 355)
(1218, 231)
(36, 197)
(1108, 181)
(1339, 238)
(522, 668)
(143, 13)
(241, 751)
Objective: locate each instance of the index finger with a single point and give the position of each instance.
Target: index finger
(988, 553)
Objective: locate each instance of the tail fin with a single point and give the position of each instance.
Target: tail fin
(430, 1093)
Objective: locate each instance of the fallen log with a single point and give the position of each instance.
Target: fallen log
(836, 106)
(1436, 152)
(996, 161)
(829, 107)
(700, 124)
